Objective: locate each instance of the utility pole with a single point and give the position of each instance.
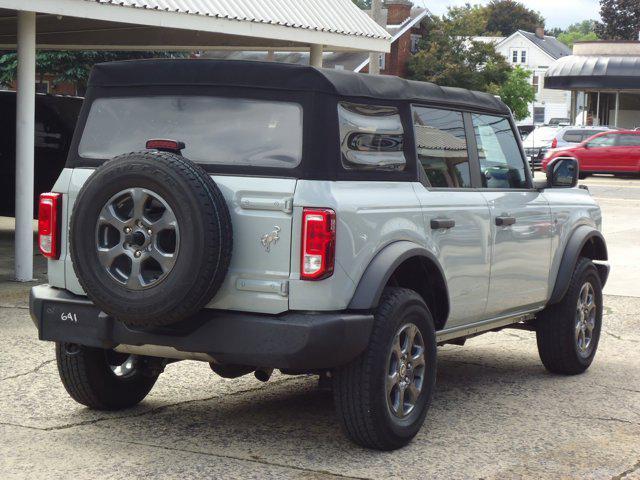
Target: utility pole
(374, 57)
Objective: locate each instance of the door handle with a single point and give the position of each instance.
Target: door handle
(505, 221)
(438, 223)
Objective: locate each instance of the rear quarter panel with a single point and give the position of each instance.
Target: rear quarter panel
(370, 216)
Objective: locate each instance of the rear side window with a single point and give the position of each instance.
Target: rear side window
(629, 141)
(501, 162)
(574, 136)
(603, 141)
(579, 136)
(442, 147)
(371, 138)
(215, 130)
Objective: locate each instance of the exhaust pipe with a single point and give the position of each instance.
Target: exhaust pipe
(263, 374)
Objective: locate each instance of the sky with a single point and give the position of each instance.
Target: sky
(559, 13)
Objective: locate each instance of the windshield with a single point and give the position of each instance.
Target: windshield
(215, 130)
(541, 136)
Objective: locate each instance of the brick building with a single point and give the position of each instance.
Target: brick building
(404, 22)
(406, 25)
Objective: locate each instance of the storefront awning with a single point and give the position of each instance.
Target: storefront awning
(594, 73)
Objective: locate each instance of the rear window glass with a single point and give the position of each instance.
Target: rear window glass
(542, 134)
(215, 130)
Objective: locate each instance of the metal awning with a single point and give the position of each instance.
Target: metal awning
(161, 25)
(195, 24)
(594, 73)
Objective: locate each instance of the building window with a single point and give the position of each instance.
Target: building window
(514, 56)
(415, 42)
(536, 83)
(523, 57)
(538, 115)
(382, 61)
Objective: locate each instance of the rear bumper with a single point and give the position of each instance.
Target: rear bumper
(294, 340)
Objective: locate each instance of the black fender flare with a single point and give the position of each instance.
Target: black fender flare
(384, 264)
(578, 240)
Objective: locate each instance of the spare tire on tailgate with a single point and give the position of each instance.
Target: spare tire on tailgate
(150, 238)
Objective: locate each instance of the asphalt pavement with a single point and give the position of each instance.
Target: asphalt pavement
(496, 414)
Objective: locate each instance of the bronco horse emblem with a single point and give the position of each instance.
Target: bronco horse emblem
(270, 238)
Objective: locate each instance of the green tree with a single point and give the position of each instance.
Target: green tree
(579, 32)
(620, 20)
(468, 20)
(517, 92)
(363, 4)
(509, 16)
(556, 31)
(452, 60)
(70, 66)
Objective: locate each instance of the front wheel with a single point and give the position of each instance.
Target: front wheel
(104, 379)
(382, 397)
(568, 332)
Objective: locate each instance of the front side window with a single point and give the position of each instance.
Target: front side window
(501, 162)
(215, 130)
(371, 138)
(523, 56)
(441, 144)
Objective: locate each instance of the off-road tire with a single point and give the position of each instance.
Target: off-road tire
(89, 380)
(556, 325)
(206, 238)
(359, 388)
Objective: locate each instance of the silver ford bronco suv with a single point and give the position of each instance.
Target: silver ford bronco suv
(308, 220)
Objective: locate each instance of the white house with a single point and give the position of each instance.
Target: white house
(536, 52)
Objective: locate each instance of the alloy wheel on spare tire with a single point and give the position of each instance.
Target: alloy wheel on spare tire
(150, 238)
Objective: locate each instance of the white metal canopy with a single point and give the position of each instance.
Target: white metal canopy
(160, 25)
(195, 24)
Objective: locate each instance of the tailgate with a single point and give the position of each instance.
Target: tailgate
(261, 214)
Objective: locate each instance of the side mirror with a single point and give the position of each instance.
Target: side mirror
(563, 173)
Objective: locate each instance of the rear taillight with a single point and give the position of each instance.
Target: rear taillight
(318, 243)
(554, 144)
(49, 224)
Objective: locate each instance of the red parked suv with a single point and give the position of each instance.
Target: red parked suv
(609, 152)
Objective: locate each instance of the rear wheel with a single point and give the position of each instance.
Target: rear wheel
(104, 379)
(568, 332)
(383, 396)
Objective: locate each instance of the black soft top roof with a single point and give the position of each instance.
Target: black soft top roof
(283, 76)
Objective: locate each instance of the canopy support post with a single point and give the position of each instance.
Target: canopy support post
(315, 59)
(598, 109)
(574, 107)
(617, 116)
(374, 57)
(25, 144)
